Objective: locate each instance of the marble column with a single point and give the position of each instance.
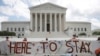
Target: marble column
(31, 23)
(40, 22)
(50, 22)
(45, 16)
(60, 26)
(35, 22)
(55, 19)
(63, 20)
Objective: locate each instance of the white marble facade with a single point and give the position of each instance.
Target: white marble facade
(46, 20)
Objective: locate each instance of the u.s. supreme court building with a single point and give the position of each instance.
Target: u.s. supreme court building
(47, 20)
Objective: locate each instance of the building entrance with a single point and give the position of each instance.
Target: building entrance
(48, 27)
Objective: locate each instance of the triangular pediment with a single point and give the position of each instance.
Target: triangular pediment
(47, 6)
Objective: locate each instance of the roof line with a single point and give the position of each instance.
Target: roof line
(47, 3)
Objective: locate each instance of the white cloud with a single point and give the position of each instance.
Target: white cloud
(78, 18)
(85, 6)
(21, 9)
(36, 2)
(6, 10)
(10, 2)
(3, 18)
(15, 7)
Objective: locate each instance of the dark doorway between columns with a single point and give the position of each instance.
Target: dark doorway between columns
(48, 27)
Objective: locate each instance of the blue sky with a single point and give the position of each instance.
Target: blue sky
(78, 10)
